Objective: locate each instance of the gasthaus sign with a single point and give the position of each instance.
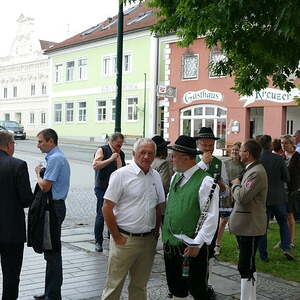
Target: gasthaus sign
(204, 94)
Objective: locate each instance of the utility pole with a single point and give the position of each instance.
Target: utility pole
(119, 68)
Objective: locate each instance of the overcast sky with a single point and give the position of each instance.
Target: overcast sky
(55, 20)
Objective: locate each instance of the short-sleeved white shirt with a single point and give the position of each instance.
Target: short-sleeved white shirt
(136, 196)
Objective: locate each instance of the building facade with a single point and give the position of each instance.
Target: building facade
(83, 79)
(24, 80)
(204, 99)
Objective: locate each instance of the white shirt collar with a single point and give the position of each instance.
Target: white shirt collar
(188, 173)
(137, 169)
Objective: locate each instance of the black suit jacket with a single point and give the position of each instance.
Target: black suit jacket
(294, 168)
(15, 194)
(278, 175)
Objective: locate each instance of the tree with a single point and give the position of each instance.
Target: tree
(260, 38)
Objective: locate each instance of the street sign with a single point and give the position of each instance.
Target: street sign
(166, 91)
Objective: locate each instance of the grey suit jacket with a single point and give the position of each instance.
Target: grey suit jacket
(248, 217)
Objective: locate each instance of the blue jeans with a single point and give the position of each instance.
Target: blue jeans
(99, 222)
(280, 213)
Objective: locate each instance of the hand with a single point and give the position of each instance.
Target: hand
(121, 240)
(236, 181)
(191, 251)
(114, 156)
(207, 157)
(38, 170)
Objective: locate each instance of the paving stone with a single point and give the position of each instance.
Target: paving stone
(77, 238)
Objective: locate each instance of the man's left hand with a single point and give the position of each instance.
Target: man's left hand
(191, 251)
(236, 181)
(38, 170)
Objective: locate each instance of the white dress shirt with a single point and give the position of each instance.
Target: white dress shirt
(209, 227)
(136, 196)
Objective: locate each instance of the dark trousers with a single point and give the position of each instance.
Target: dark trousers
(99, 222)
(248, 247)
(280, 213)
(196, 282)
(54, 272)
(11, 263)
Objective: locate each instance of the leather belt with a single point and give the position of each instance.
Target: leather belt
(135, 234)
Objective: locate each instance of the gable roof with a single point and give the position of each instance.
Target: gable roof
(138, 17)
(46, 44)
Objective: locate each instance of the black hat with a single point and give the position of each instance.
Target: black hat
(160, 141)
(206, 133)
(185, 144)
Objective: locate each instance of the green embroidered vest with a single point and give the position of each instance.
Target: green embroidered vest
(215, 167)
(182, 211)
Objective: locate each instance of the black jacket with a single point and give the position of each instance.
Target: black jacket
(36, 221)
(15, 194)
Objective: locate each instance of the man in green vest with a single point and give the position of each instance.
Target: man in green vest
(215, 168)
(189, 204)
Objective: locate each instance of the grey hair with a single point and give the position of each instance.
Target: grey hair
(5, 138)
(116, 135)
(143, 141)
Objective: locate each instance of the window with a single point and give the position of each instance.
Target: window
(31, 118)
(190, 67)
(44, 88)
(18, 117)
(215, 57)
(82, 111)
(127, 63)
(70, 71)
(69, 112)
(132, 109)
(101, 110)
(113, 109)
(7, 117)
(106, 66)
(43, 118)
(57, 112)
(5, 92)
(82, 68)
(114, 66)
(32, 90)
(58, 73)
(15, 91)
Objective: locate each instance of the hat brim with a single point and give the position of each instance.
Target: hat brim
(185, 150)
(163, 145)
(209, 137)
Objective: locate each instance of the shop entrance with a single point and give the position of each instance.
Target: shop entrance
(256, 121)
(195, 117)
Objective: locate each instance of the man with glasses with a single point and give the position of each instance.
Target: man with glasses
(248, 220)
(16, 194)
(297, 140)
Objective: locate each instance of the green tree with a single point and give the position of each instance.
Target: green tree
(260, 38)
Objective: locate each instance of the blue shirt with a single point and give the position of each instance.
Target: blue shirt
(298, 147)
(58, 171)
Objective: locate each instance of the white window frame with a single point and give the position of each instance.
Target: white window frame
(44, 88)
(58, 73)
(70, 71)
(111, 69)
(107, 68)
(43, 118)
(211, 53)
(68, 110)
(5, 93)
(32, 89)
(129, 69)
(15, 91)
(103, 110)
(82, 69)
(80, 109)
(61, 113)
(182, 66)
(112, 107)
(31, 118)
(134, 107)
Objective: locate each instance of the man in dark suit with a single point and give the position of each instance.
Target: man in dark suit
(15, 195)
(278, 176)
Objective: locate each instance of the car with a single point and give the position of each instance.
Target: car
(15, 128)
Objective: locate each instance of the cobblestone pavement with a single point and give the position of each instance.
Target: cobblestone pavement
(84, 273)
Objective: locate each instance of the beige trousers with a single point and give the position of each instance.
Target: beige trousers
(136, 258)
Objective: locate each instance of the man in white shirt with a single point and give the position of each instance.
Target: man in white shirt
(193, 199)
(133, 215)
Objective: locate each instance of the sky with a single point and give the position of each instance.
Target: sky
(55, 20)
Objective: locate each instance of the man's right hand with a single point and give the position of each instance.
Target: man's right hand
(207, 157)
(114, 156)
(121, 240)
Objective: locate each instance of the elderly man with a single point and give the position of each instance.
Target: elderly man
(132, 213)
(192, 210)
(15, 195)
(248, 220)
(108, 158)
(297, 140)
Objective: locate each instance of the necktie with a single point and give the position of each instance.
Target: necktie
(242, 174)
(177, 183)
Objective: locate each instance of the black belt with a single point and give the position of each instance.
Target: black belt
(135, 234)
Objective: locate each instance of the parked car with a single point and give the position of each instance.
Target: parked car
(15, 128)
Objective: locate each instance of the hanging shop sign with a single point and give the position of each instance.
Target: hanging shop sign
(166, 91)
(204, 94)
(272, 95)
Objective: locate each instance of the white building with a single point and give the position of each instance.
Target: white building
(24, 79)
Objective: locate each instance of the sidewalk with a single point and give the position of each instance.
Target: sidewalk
(84, 273)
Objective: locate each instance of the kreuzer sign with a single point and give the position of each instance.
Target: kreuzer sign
(204, 94)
